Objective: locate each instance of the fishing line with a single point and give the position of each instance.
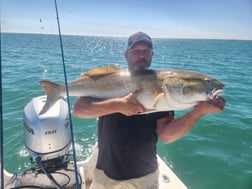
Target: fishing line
(68, 100)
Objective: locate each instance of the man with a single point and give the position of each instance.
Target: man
(126, 140)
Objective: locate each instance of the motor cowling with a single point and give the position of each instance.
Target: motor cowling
(46, 135)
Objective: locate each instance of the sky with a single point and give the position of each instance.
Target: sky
(208, 19)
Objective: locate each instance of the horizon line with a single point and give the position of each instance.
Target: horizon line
(125, 36)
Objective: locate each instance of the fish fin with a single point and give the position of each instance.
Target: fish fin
(157, 98)
(102, 71)
(151, 110)
(53, 94)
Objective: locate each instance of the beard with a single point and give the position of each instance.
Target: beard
(141, 64)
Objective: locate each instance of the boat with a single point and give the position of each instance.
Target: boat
(48, 140)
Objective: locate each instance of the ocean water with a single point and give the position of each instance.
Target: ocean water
(217, 153)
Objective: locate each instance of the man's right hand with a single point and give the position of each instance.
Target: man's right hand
(130, 105)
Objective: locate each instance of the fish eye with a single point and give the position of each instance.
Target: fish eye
(207, 80)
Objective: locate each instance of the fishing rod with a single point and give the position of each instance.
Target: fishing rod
(68, 99)
(1, 115)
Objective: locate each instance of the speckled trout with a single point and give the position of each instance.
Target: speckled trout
(162, 90)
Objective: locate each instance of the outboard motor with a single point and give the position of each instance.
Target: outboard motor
(47, 136)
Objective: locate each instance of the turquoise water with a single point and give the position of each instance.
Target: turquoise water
(217, 153)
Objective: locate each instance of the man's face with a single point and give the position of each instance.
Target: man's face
(139, 57)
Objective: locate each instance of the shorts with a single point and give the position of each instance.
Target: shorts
(102, 181)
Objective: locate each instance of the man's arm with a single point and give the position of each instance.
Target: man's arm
(87, 107)
(169, 129)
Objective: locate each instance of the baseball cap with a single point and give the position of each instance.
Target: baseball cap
(139, 37)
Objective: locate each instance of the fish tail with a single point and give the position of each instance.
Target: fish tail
(53, 94)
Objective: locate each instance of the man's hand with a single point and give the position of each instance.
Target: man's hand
(130, 105)
(216, 105)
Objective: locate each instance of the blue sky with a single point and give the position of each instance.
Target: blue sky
(215, 19)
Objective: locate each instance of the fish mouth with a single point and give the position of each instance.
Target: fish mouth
(215, 92)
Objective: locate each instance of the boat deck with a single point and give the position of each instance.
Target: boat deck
(66, 176)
